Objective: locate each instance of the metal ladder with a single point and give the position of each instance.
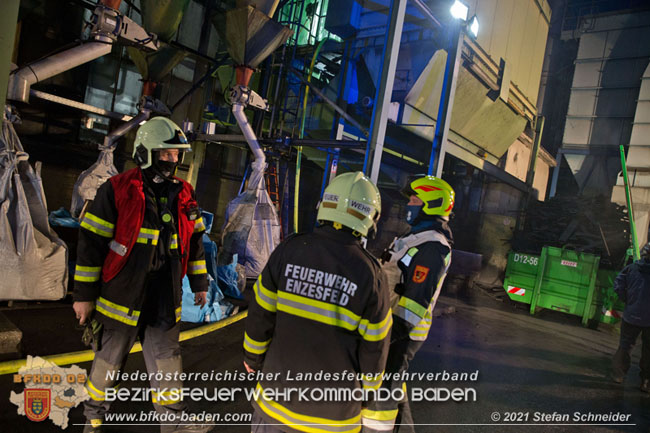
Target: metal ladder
(273, 185)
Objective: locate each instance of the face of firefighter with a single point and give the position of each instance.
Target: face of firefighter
(167, 161)
(413, 209)
(169, 155)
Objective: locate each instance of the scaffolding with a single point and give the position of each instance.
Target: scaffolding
(307, 20)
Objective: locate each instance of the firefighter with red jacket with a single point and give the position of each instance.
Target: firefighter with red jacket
(416, 265)
(138, 239)
(320, 318)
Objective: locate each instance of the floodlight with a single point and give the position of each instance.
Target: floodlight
(459, 10)
(473, 26)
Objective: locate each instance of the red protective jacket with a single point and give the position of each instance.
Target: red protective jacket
(118, 236)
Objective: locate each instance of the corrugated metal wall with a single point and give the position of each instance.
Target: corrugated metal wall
(516, 31)
(638, 163)
(611, 59)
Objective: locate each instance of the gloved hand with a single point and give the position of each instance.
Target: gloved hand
(83, 310)
(200, 298)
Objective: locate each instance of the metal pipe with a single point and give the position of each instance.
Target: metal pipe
(277, 90)
(630, 210)
(251, 139)
(22, 79)
(118, 132)
(80, 105)
(307, 142)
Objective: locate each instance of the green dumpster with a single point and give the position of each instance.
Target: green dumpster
(563, 280)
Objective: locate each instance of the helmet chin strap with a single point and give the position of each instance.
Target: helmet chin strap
(156, 175)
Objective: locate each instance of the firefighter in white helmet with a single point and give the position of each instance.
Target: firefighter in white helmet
(137, 240)
(321, 308)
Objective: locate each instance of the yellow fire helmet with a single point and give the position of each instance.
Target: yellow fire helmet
(352, 200)
(438, 196)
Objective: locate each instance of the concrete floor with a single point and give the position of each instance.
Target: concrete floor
(526, 364)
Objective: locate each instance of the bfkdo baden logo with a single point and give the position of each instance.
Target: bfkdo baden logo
(37, 404)
(50, 391)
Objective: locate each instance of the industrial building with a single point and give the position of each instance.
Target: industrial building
(534, 111)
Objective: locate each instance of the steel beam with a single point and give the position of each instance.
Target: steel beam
(307, 142)
(327, 100)
(532, 164)
(443, 120)
(422, 7)
(489, 168)
(385, 88)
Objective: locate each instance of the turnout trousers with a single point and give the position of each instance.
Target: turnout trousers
(260, 425)
(392, 415)
(161, 351)
(629, 335)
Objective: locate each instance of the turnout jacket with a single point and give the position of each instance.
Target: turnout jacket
(120, 239)
(421, 260)
(632, 285)
(321, 306)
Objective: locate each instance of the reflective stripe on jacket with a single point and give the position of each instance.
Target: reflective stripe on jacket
(320, 306)
(129, 202)
(117, 249)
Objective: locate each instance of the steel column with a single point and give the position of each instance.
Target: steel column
(385, 88)
(556, 174)
(197, 99)
(443, 120)
(8, 19)
(539, 129)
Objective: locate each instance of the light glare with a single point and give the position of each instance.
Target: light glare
(473, 26)
(459, 10)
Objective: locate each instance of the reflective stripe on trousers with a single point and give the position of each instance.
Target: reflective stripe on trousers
(392, 415)
(161, 352)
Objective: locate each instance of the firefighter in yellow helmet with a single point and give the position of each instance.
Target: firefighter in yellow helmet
(139, 237)
(416, 265)
(321, 307)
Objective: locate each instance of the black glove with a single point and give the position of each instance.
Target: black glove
(92, 335)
